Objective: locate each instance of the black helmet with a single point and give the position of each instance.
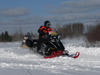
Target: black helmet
(47, 23)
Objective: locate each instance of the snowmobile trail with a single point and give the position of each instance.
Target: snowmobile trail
(15, 60)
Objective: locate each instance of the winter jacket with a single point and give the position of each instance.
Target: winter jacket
(43, 31)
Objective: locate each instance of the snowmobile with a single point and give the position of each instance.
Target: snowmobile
(51, 47)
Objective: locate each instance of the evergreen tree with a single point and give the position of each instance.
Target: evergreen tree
(7, 37)
(2, 37)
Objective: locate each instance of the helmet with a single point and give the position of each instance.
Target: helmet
(47, 23)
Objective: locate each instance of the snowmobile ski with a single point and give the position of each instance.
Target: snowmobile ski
(58, 53)
(76, 55)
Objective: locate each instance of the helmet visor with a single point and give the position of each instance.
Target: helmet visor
(48, 25)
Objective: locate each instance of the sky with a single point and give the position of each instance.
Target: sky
(29, 14)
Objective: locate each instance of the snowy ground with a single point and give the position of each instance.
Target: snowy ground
(18, 61)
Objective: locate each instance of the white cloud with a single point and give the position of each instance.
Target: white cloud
(67, 12)
(77, 6)
(14, 12)
(77, 11)
(81, 3)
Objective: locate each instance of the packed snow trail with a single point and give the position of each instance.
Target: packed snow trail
(15, 60)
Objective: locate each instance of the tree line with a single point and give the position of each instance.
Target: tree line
(67, 30)
(77, 29)
(70, 30)
(4, 37)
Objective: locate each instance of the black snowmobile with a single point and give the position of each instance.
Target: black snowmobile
(51, 47)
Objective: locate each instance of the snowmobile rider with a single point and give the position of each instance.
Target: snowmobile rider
(43, 33)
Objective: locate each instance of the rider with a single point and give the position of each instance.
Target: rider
(43, 33)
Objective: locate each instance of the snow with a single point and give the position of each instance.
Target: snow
(15, 60)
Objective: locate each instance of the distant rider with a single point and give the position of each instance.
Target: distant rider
(43, 33)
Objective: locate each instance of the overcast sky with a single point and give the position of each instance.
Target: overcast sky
(29, 13)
